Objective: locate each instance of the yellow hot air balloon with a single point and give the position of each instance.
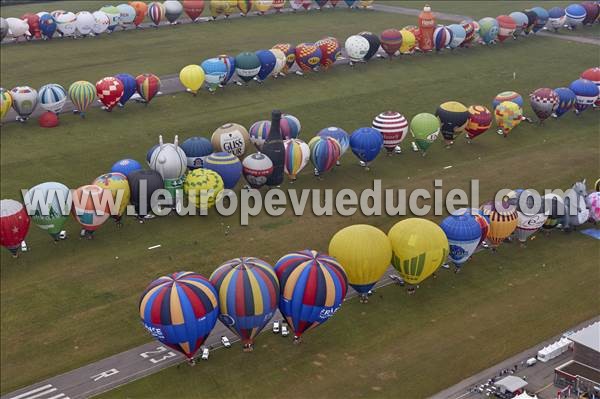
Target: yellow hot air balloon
(218, 7)
(503, 221)
(409, 42)
(364, 252)
(207, 186)
(508, 115)
(365, 3)
(420, 247)
(192, 77)
(232, 6)
(116, 182)
(5, 102)
(262, 6)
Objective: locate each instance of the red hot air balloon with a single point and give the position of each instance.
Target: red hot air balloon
(147, 86)
(391, 41)
(393, 127)
(193, 8)
(330, 51)
(109, 91)
(14, 225)
(33, 20)
(480, 120)
(507, 27)
(308, 56)
(544, 102)
(593, 74)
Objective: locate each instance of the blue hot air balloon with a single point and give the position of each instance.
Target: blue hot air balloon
(196, 149)
(129, 87)
(366, 143)
(47, 25)
(267, 63)
(339, 134)
(575, 14)
(464, 233)
(458, 35)
(227, 165)
(150, 152)
(556, 18)
(230, 63)
(566, 101)
(542, 18)
(215, 71)
(521, 20)
(180, 311)
(126, 166)
(586, 92)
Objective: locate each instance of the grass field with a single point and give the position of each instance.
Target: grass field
(86, 307)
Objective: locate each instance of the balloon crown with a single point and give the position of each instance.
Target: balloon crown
(427, 8)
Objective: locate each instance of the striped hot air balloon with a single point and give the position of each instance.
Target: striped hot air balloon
(52, 97)
(324, 153)
(393, 127)
(339, 134)
(297, 155)
(227, 165)
(248, 292)
(442, 36)
(480, 120)
(289, 126)
(313, 287)
(148, 85)
(14, 225)
(82, 93)
(156, 12)
(259, 131)
(180, 310)
(391, 41)
(503, 222)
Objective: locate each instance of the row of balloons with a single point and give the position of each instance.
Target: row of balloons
(109, 18)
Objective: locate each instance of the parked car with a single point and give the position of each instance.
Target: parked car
(284, 330)
(205, 353)
(276, 326)
(225, 341)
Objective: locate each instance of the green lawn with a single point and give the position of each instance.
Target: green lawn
(66, 305)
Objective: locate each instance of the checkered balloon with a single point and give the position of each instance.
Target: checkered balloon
(109, 91)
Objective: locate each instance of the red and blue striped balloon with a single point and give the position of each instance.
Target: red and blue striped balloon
(180, 311)
(442, 37)
(324, 153)
(313, 287)
(289, 126)
(248, 296)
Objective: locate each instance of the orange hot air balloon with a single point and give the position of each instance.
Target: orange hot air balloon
(90, 208)
(426, 29)
(141, 9)
(503, 222)
(193, 8)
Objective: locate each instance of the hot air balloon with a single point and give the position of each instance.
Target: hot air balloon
(453, 117)
(109, 91)
(308, 56)
(508, 115)
(215, 72)
(593, 75)
(142, 185)
(227, 165)
(48, 120)
(245, 6)
(356, 48)
(391, 41)
(259, 132)
(192, 78)
(82, 94)
(508, 96)
(593, 202)
(566, 101)
(350, 3)
(409, 42)
(248, 292)
(256, 169)
(503, 222)
(585, 90)
(118, 185)
(531, 18)
(156, 12)
(280, 62)
(365, 253)
(232, 138)
(196, 150)
(229, 62)
(170, 161)
(507, 27)
(592, 10)
(262, 6)
(247, 66)
(334, 3)
(148, 85)
(85, 23)
(464, 234)
(290, 54)
(87, 211)
(544, 102)
(330, 51)
(313, 287)
(50, 205)
(52, 97)
(24, 101)
(193, 8)
(442, 36)
(127, 15)
(575, 14)
(393, 126)
(419, 248)
(129, 87)
(47, 25)
(278, 5)
(141, 10)
(324, 153)
(321, 4)
(114, 16)
(17, 28)
(541, 20)
(126, 167)
(297, 155)
(425, 129)
(528, 223)
(5, 102)
(374, 44)
(459, 34)
(218, 7)
(101, 22)
(479, 121)
(556, 18)
(204, 187)
(33, 21)
(366, 143)
(14, 225)
(267, 64)
(488, 30)
(173, 10)
(339, 135)
(180, 310)
(471, 32)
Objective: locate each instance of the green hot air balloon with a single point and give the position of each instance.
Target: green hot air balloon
(49, 205)
(247, 66)
(425, 128)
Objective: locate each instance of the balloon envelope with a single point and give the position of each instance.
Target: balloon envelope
(425, 129)
(480, 120)
(52, 97)
(227, 165)
(544, 102)
(339, 135)
(464, 233)
(129, 86)
(14, 224)
(366, 143)
(324, 153)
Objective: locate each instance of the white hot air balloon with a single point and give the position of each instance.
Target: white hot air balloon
(101, 22)
(66, 23)
(24, 101)
(85, 23)
(173, 10)
(17, 28)
(52, 97)
(356, 48)
(127, 14)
